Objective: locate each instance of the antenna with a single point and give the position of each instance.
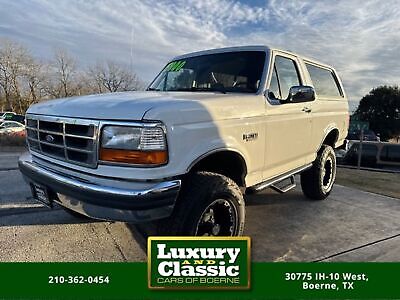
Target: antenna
(131, 54)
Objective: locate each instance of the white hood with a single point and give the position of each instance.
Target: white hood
(114, 106)
(134, 105)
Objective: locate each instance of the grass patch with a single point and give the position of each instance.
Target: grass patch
(386, 184)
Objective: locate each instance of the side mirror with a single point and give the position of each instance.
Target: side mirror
(301, 93)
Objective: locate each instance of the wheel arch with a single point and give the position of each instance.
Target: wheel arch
(228, 162)
(330, 138)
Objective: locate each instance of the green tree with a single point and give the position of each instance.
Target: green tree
(381, 108)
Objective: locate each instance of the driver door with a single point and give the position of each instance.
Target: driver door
(288, 125)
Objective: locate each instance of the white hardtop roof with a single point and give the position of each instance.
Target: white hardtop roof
(223, 50)
(247, 48)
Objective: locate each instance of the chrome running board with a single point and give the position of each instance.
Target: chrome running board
(284, 186)
(274, 182)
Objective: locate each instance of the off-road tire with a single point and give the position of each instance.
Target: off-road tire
(317, 182)
(199, 191)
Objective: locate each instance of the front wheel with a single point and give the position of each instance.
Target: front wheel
(317, 182)
(210, 204)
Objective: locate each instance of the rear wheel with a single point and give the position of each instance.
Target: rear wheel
(317, 182)
(210, 204)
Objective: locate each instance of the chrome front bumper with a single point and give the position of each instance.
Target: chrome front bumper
(134, 204)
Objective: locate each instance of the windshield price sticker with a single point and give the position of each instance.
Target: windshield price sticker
(199, 263)
(328, 281)
(175, 66)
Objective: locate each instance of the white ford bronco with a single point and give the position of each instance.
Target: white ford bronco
(212, 126)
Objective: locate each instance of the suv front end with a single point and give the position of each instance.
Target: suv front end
(55, 142)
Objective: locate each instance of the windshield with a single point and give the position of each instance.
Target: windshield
(238, 72)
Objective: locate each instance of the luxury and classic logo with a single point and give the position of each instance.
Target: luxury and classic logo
(199, 262)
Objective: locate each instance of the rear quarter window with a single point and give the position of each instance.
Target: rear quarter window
(324, 81)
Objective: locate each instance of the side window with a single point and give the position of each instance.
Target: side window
(288, 75)
(274, 92)
(324, 81)
(180, 79)
(8, 116)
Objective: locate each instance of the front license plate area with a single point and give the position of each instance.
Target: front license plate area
(41, 194)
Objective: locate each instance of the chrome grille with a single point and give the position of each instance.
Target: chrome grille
(67, 139)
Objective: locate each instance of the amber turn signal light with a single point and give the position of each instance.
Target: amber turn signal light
(134, 156)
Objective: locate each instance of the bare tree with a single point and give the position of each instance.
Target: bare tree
(84, 84)
(61, 75)
(5, 71)
(13, 58)
(35, 75)
(25, 80)
(112, 77)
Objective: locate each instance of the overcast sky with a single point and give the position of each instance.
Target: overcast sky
(361, 39)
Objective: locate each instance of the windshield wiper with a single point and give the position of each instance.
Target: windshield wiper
(153, 89)
(220, 88)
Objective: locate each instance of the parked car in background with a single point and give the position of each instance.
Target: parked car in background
(11, 127)
(18, 118)
(374, 154)
(354, 136)
(7, 115)
(368, 135)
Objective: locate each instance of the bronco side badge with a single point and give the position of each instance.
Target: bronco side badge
(250, 136)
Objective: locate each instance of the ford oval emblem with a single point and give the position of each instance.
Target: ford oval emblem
(49, 138)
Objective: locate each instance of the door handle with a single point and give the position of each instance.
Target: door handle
(306, 110)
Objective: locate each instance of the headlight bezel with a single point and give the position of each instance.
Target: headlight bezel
(142, 125)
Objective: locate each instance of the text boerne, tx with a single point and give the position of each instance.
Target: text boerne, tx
(199, 263)
(327, 280)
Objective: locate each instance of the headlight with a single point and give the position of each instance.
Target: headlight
(134, 145)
